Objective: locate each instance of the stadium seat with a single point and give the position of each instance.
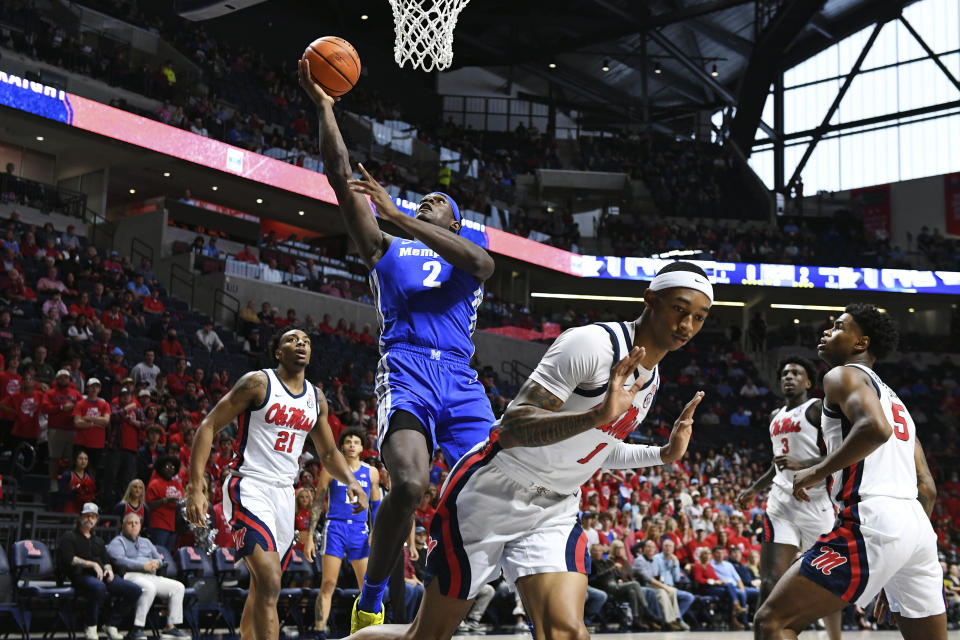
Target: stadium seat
(231, 576)
(8, 605)
(36, 586)
(293, 598)
(202, 595)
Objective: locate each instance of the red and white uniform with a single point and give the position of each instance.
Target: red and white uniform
(788, 520)
(258, 494)
(882, 537)
(535, 491)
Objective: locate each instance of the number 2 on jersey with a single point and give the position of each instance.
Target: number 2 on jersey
(285, 442)
(899, 422)
(431, 280)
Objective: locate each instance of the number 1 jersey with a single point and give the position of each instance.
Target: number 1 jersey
(576, 369)
(271, 437)
(423, 300)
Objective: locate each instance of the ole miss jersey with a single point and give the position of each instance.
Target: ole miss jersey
(576, 369)
(793, 435)
(271, 436)
(890, 469)
(423, 300)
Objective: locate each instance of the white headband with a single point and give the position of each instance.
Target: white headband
(686, 279)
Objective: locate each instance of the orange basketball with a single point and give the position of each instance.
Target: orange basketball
(334, 64)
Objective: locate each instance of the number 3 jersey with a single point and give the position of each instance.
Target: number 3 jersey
(271, 437)
(796, 437)
(423, 300)
(576, 369)
(890, 469)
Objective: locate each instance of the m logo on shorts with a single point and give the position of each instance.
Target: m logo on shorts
(238, 536)
(828, 560)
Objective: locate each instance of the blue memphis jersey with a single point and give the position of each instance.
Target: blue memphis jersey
(423, 300)
(339, 508)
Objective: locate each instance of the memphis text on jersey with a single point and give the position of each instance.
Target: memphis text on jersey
(419, 253)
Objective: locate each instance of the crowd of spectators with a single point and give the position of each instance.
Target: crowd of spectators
(109, 364)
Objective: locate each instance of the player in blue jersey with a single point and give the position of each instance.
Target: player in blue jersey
(427, 290)
(345, 534)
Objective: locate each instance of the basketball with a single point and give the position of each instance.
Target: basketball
(334, 64)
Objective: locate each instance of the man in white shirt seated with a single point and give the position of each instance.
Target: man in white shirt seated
(207, 337)
(140, 559)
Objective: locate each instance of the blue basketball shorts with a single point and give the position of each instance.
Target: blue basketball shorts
(348, 539)
(441, 390)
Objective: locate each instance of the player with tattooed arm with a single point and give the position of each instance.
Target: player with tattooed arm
(877, 475)
(275, 409)
(511, 503)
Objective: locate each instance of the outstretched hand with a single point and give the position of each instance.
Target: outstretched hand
(316, 93)
(619, 398)
(682, 431)
(369, 186)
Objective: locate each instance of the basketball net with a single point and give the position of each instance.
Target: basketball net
(424, 32)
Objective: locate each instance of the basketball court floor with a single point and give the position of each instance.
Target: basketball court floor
(723, 635)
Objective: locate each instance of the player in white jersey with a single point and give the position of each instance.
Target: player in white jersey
(883, 542)
(791, 525)
(275, 409)
(511, 503)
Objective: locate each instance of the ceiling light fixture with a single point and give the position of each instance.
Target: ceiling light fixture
(214, 187)
(364, 17)
(259, 200)
(657, 69)
(132, 191)
(606, 66)
(300, 212)
(39, 138)
(552, 65)
(166, 174)
(714, 71)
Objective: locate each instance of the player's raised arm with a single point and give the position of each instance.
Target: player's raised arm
(332, 459)
(458, 251)
(632, 456)
(250, 390)
(926, 489)
(853, 392)
(357, 216)
(533, 419)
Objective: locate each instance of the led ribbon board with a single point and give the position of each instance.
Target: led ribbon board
(49, 102)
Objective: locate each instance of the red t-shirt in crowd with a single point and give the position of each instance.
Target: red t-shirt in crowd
(9, 383)
(27, 422)
(53, 401)
(703, 573)
(81, 310)
(300, 523)
(78, 489)
(153, 305)
(177, 383)
(111, 321)
(164, 516)
(93, 437)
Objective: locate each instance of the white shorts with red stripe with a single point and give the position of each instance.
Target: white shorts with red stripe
(790, 521)
(880, 543)
(486, 522)
(259, 514)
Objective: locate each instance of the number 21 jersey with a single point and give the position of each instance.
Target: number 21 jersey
(271, 437)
